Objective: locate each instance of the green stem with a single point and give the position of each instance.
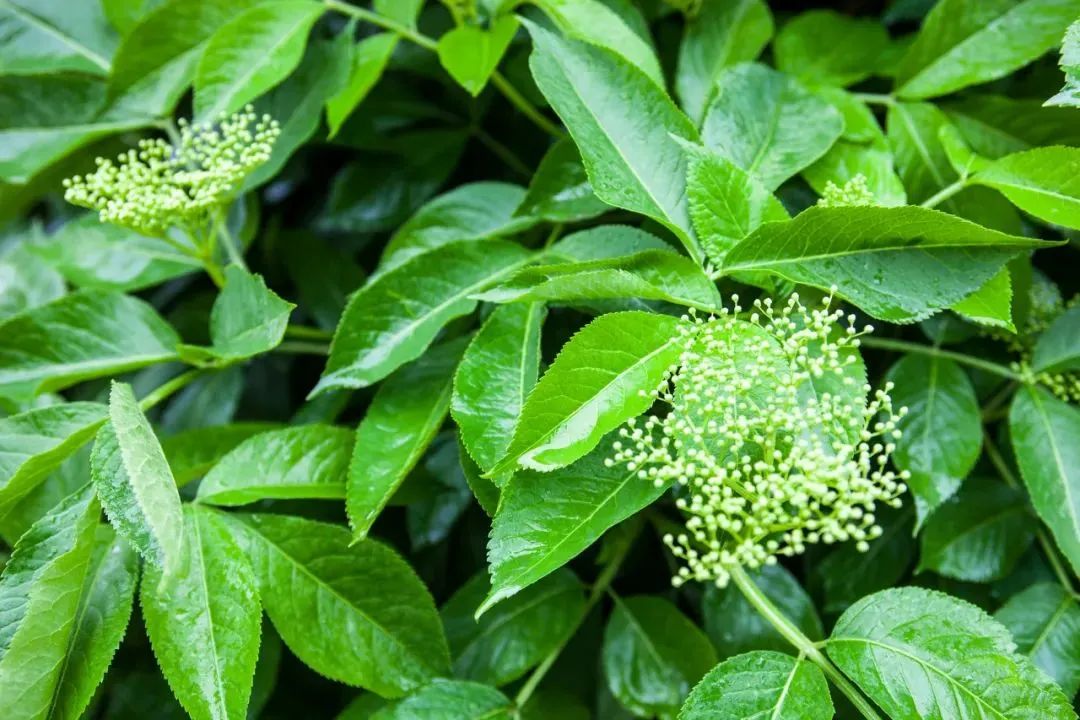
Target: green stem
(502, 152)
(970, 361)
(300, 347)
(308, 333)
(167, 389)
(1045, 542)
(803, 644)
(222, 230)
(876, 99)
(945, 193)
(501, 83)
(599, 588)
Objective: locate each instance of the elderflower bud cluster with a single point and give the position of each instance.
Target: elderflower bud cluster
(1064, 385)
(854, 193)
(158, 186)
(765, 427)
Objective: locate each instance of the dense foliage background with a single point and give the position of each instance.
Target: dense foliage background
(309, 397)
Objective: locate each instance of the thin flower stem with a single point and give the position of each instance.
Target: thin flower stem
(1044, 539)
(222, 230)
(497, 79)
(599, 588)
(167, 389)
(969, 360)
(803, 644)
(308, 333)
(945, 193)
(300, 347)
(876, 99)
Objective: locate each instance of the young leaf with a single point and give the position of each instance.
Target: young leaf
(354, 613)
(34, 443)
(768, 124)
(309, 461)
(247, 319)
(85, 335)
(515, 635)
(497, 371)
(735, 627)
(470, 53)
(942, 432)
(920, 653)
(559, 190)
(653, 655)
(623, 124)
(977, 535)
(474, 211)
(825, 47)
(135, 485)
(401, 422)
(250, 54)
(1043, 431)
(650, 275)
(1070, 65)
(40, 595)
(964, 43)
(726, 203)
(448, 699)
(591, 388)
(757, 685)
(545, 520)
(1045, 623)
(1042, 181)
(204, 628)
(53, 36)
(720, 35)
(368, 60)
(1058, 347)
(899, 264)
(379, 332)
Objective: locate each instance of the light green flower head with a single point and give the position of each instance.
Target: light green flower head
(854, 193)
(159, 186)
(772, 436)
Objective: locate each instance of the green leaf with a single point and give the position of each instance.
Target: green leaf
(559, 190)
(623, 124)
(768, 124)
(827, 48)
(88, 334)
(474, 211)
(404, 11)
(651, 274)
(898, 264)
(497, 371)
(591, 388)
(204, 629)
(309, 461)
(757, 685)
(964, 43)
(250, 54)
(399, 426)
(450, 700)
(354, 613)
(41, 591)
(920, 157)
(990, 305)
(379, 332)
(1044, 431)
(54, 36)
(604, 242)
(726, 203)
(735, 627)
(324, 276)
(995, 125)
(368, 61)
(247, 319)
(34, 443)
(979, 534)
(1042, 181)
(653, 655)
(1070, 65)
(1058, 347)
(919, 653)
(598, 24)
(719, 35)
(192, 453)
(515, 635)
(135, 485)
(92, 254)
(545, 520)
(27, 281)
(1044, 621)
(470, 53)
(942, 432)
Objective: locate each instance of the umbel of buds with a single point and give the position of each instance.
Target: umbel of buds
(854, 193)
(768, 429)
(160, 185)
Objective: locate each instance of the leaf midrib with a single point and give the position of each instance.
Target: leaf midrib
(1059, 462)
(71, 42)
